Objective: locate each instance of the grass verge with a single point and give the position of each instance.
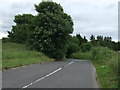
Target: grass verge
(14, 55)
(106, 64)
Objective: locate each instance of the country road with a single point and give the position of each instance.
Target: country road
(71, 73)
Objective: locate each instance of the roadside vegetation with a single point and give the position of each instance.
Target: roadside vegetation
(15, 55)
(106, 64)
(103, 52)
(36, 38)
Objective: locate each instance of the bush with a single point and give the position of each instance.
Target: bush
(101, 53)
(81, 55)
(72, 48)
(106, 62)
(94, 52)
(86, 47)
(4, 40)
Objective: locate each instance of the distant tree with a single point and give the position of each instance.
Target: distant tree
(73, 45)
(108, 39)
(81, 40)
(86, 47)
(92, 39)
(99, 38)
(73, 39)
(5, 39)
(52, 29)
(85, 40)
(114, 46)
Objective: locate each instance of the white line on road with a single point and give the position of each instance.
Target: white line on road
(42, 78)
(68, 64)
(45, 76)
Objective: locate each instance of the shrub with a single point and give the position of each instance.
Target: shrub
(81, 55)
(72, 48)
(106, 62)
(86, 47)
(4, 40)
(101, 53)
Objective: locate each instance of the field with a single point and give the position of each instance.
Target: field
(14, 55)
(106, 64)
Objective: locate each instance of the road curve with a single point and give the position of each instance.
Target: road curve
(71, 73)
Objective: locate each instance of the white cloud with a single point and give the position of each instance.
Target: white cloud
(89, 16)
(94, 18)
(3, 35)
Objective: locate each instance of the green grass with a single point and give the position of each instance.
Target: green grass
(106, 64)
(14, 55)
(80, 55)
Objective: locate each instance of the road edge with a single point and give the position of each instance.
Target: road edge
(96, 76)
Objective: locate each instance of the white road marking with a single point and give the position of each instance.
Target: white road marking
(42, 78)
(45, 76)
(68, 64)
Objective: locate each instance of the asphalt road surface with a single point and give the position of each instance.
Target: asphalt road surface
(71, 73)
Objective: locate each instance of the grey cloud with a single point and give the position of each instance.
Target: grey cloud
(12, 9)
(89, 18)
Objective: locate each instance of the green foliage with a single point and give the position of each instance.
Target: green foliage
(52, 29)
(15, 54)
(118, 45)
(52, 7)
(106, 63)
(86, 47)
(101, 53)
(100, 38)
(77, 43)
(72, 46)
(18, 51)
(22, 30)
(81, 40)
(47, 32)
(92, 39)
(104, 42)
(81, 55)
(94, 52)
(4, 40)
(85, 40)
(73, 39)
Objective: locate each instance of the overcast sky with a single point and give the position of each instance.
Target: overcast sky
(97, 17)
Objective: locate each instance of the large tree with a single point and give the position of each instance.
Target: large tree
(21, 31)
(52, 29)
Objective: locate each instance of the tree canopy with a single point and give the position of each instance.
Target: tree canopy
(52, 29)
(20, 32)
(47, 32)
